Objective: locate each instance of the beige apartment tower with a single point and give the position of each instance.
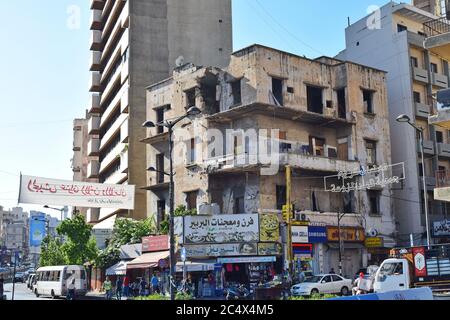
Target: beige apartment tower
(135, 43)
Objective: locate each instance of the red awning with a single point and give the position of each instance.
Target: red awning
(148, 260)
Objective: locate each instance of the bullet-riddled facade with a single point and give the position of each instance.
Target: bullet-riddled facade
(266, 110)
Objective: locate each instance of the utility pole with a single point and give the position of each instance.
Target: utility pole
(289, 217)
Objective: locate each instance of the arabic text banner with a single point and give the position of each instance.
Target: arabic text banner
(36, 190)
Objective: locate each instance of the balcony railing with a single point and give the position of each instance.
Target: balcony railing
(437, 27)
(442, 179)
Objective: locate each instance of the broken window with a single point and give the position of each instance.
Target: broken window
(374, 202)
(160, 168)
(190, 98)
(342, 104)
(314, 99)
(281, 196)
(371, 151)
(277, 91)
(191, 200)
(368, 101)
(317, 146)
(236, 92)
(284, 146)
(417, 97)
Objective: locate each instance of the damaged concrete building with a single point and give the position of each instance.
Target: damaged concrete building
(266, 110)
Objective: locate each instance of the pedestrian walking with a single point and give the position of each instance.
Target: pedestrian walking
(119, 287)
(1, 287)
(126, 286)
(71, 290)
(212, 284)
(155, 284)
(142, 287)
(107, 286)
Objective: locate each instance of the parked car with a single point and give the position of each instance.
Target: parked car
(323, 284)
(19, 277)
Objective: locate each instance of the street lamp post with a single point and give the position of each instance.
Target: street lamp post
(56, 209)
(405, 119)
(170, 124)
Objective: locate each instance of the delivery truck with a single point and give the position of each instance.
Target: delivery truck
(409, 268)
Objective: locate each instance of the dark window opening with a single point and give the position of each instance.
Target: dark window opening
(414, 62)
(374, 202)
(368, 101)
(160, 168)
(290, 89)
(439, 137)
(281, 197)
(284, 146)
(417, 97)
(238, 205)
(236, 91)
(191, 200)
(434, 68)
(314, 99)
(161, 207)
(329, 104)
(277, 90)
(160, 119)
(371, 151)
(190, 97)
(342, 105)
(420, 170)
(192, 151)
(317, 146)
(401, 28)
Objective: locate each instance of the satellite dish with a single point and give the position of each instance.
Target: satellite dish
(180, 61)
(373, 232)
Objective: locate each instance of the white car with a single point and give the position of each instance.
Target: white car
(323, 284)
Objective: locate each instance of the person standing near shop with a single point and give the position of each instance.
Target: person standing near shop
(155, 284)
(142, 287)
(71, 290)
(107, 286)
(126, 286)
(212, 284)
(119, 288)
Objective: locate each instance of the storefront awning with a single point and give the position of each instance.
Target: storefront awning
(148, 260)
(119, 269)
(196, 266)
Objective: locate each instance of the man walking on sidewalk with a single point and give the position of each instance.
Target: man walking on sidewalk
(107, 286)
(119, 285)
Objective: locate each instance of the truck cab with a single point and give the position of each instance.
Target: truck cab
(393, 275)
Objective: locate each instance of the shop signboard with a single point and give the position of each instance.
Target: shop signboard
(348, 234)
(38, 231)
(317, 234)
(419, 262)
(178, 230)
(236, 228)
(270, 249)
(155, 244)
(247, 260)
(441, 229)
(269, 228)
(374, 242)
(302, 249)
(221, 250)
(299, 234)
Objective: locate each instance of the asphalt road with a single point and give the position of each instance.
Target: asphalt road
(21, 292)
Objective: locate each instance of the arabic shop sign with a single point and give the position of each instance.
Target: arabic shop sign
(269, 228)
(441, 229)
(348, 234)
(221, 229)
(376, 177)
(35, 190)
(221, 250)
(155, 243)
(374, 242)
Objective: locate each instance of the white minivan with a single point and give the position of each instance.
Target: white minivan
(53, 281)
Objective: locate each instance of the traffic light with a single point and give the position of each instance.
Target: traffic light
(285, 212)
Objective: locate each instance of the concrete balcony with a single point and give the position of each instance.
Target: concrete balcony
(96, 40)
(95, 61)
(422, 110)
(430, 182)
(428, 147)
(438, 41)
(117, 178)
(444, 150)
(440, 80)
(94, 125)
(111, 157)
(124, 131)
(93, 169)
(96, 22)
(116, 77)
(94, 82)
(416, 39)
(93, 215)
(97, 4)
(94, 103)
(124, 161)
(93, 147)
(421, 75)
(113, 130)
(442, 119)
(125, 99)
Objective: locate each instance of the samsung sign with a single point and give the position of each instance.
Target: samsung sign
(317, 234)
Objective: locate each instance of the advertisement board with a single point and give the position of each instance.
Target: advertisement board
(221, 229)
(419, 262)
(44, 191)
(441, 229)
(299, 234)
(269, 228)
(317, 234)
(38, 231)
(348, 234)
(374, 242)
(270, 249)
(221, 250)
(155, 243)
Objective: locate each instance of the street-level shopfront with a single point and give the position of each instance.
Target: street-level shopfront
(440, 231)
(245, 249)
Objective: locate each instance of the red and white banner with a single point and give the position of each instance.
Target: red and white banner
(36, 190)
(420, 265)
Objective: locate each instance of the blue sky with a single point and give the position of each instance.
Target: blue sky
(44, 63)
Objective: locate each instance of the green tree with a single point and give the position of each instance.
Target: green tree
(80, 246)
(182, 211)
(51, 253)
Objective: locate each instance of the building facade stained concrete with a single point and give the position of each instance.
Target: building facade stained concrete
(393, 39)
(14, 232)
(134, 43)
(328, 116)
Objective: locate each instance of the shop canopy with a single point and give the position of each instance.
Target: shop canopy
(148, 260)
(119, 269)
(196, 266)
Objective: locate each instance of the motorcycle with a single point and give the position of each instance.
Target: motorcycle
(239, 293)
